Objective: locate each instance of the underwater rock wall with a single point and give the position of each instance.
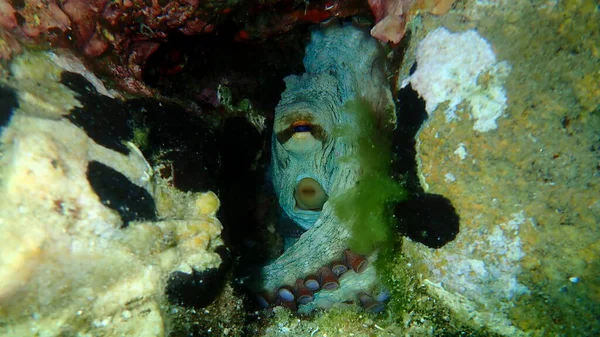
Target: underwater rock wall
(90, 236)
(118, 37)
(512, 140)
(512, 95)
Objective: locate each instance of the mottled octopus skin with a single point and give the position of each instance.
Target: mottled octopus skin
(343, 63)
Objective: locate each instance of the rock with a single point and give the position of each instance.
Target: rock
(82, 254)
(524, 182)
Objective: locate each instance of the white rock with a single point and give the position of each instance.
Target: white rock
(457, 67)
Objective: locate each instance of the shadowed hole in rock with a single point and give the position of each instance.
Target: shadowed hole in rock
(18, 4)
(20, 19)
(8, 103)
(131, 202)
(103, 119)
(212, 63)
(198, 289)
(165, 132)
(216, 77)
(219, 72)
(429, 219)
(192, 68)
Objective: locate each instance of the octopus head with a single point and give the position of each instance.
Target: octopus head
(302, 178)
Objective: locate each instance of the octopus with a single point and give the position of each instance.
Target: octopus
(312, 164)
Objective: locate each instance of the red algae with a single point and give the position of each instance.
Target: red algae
(116, 38)
(392, 16)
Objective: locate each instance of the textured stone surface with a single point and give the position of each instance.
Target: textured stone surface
(68, 264)
(457, 67)
(525, 259)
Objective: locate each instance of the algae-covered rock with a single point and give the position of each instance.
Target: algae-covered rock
(90, 234)
(524, 183)
(96, 240)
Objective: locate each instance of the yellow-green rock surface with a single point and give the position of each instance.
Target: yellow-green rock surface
(528, 192)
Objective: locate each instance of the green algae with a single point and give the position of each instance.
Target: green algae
(141, 136)
(366, 207)
(341, 320)
(243, 106)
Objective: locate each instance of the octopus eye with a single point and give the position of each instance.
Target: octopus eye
(302, 133)
(301, 126)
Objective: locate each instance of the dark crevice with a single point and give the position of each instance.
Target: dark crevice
(182, 142)
(411, 114)
(240, 182)
(20, 19)
(199, 289)
(194, 70)
(193, 67)
(426, 218)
